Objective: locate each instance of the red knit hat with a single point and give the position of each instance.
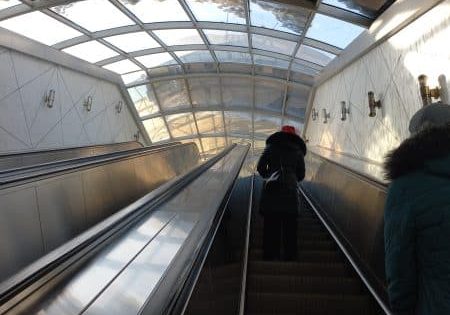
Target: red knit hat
(288, 129)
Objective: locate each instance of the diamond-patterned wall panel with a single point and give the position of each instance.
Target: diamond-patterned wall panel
(390, 71)
(26, 123)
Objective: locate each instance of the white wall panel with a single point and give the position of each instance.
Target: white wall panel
(26, 123)
(390, 70)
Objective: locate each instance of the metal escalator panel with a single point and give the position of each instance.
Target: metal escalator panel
(320, 281)
(138, 268)
(25, 159)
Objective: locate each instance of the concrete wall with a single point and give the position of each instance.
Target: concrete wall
(26, 123)
(390, 70)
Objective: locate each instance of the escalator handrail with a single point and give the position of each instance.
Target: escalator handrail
(18, 153)
(35, 275)
(180, 299)
(360, 273)
(11, 176)
(246, 250)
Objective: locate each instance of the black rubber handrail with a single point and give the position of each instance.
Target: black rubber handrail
(4, 155)
(12, 176)
(18, 287)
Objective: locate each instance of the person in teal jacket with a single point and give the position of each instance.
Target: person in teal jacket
(417, 216)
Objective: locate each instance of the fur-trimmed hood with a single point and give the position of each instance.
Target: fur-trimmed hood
(426, 150)
(288, 139)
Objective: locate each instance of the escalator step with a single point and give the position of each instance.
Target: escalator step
(311, 304)
(310, 285)
(306, 256)
(299, 269)
(302, 244)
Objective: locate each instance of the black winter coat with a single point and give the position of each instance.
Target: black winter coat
(284, 153)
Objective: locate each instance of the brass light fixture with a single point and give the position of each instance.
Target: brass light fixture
(426, 93)
(88, 103)
(326, 116)
(136, 136)
(373, 104)
(119, 107)
(314, 114)
(344, 111)
(49, 99)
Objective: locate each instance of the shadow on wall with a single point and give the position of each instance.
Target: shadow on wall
(390, 70)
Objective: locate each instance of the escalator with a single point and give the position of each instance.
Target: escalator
(321, 281)
(193, 246)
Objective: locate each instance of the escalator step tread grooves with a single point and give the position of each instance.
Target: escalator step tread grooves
(320, 281)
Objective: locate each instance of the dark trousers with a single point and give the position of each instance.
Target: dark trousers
(280, 229)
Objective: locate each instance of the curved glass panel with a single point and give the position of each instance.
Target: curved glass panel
(205, 91)
(149, 11)
(297, 66)
(369, 9)
(40, 27)
(333, 31)
(8, 3)
(165, 71)
(132, 41)
(237, 92)
(213, 145)
(86, 14)
(238, 122)
(270, 61)
(233, 56)
(220, 37)
(172, 94)
(209, 122)
(314, 55)
(193, 56)
(278, 16)
(122, 67)
(200, 68)
(277, 45)
(271, 72)
(266, 125)
(296, 101)
(134, 77)
(144, 100)
(179, 37)
(156, 60)
(218, 11)
(156, 129)
(269, 95)
(181, 125)
(91, 51)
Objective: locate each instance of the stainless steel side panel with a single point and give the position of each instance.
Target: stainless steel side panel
(37, 217)
(20, 230)
(62, 210)
(132, 274)
(354, 205)
(9, 161)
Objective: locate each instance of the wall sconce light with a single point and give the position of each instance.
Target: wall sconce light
(136, 135)
(326, 116)
(88, 103)
(314, 114)
(119, 107)
(373, 105)
(426, 93)
(344, 111)
(50, 98)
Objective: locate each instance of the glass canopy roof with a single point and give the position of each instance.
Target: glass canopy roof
(211, 71)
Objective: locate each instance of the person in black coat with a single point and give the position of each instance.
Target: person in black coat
(282, 166)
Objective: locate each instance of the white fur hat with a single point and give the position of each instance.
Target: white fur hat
(434, 115)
